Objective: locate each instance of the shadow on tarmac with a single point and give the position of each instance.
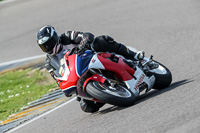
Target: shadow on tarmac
(155, 93)
(149, 95)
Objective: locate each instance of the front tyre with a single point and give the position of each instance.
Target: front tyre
(163, 76)
(118, 95)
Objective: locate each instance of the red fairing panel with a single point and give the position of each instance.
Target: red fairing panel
(122, 70)
(73, 77)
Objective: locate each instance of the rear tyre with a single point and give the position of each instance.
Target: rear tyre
(118, 95)
(163, 76)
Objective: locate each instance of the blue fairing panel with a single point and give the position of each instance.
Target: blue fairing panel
(83, 62)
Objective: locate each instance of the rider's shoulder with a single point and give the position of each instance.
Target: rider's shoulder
(71, 32)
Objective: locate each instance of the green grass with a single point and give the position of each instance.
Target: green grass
(20, 87)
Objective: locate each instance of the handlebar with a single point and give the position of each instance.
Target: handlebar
(81, 51)
(77, 50)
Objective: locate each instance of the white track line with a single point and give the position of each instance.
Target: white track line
(22, 60)
(40, 56)
(26, 123)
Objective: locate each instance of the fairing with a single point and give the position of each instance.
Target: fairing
(76, 66)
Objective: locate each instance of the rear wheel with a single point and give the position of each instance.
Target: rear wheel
(118, 95)
(163, 76)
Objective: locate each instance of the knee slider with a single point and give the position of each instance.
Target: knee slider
(105, 39)
(105, 44)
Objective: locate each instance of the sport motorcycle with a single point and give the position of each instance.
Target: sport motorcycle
(108, 77)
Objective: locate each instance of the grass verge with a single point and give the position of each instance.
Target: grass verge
(20, 87)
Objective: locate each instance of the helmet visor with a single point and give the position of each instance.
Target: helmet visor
(48, 46)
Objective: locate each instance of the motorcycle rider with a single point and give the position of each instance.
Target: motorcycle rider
(51, 43)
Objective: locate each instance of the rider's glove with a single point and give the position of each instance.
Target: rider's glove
(139, 55)
(85, 46)
(85, 43)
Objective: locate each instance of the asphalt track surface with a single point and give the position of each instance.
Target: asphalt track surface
(167, 29)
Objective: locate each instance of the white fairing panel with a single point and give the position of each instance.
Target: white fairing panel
(140, 78)
(63, 71)
(95, 63)
(133, 83)
(150, 81)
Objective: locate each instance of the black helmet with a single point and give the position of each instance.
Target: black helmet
(47, 38)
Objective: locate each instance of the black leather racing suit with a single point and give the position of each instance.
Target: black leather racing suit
(71, 39)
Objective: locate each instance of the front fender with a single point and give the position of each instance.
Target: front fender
(95, 77)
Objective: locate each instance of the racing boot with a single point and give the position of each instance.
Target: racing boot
(129, 54)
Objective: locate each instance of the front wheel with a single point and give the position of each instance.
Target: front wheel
(163, 76)
(118, 95)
